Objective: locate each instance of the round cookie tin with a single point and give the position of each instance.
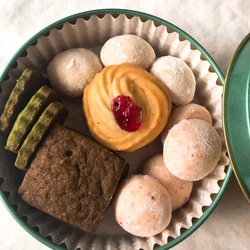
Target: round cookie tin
(236, 114)
(91, 29)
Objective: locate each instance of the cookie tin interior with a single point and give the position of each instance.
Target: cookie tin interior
(236, 105)
(208, 211)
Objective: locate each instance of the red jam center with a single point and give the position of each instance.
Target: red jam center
(127, 115)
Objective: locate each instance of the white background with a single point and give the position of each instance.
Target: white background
(219, 26)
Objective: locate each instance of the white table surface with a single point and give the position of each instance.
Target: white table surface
(218, 26)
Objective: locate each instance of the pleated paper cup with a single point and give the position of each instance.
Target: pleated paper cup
(91, 30)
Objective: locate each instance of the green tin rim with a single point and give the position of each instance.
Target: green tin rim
(161, 21)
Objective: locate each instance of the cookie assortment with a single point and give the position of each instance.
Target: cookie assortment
(153, 89)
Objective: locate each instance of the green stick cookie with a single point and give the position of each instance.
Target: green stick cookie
(39, 101)
(55, 112)
(27, 85)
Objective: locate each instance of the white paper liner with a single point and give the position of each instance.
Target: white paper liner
(92, 33)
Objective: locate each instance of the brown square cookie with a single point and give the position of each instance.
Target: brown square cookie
(72, 178)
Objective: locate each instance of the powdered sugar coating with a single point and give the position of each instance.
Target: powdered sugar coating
(127, 48)
(71, 70)
(177, 76)
(142, 206)
(179, 190)
(192, 149)
(188, 111)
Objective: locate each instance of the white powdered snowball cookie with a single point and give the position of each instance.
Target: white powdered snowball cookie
(179, 190)
(192, 149)
(71, 70)
(188, 111)
(127, 48)
(177, 76)
(142, 206)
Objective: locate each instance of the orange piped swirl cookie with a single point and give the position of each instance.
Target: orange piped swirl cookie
(145, 90)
